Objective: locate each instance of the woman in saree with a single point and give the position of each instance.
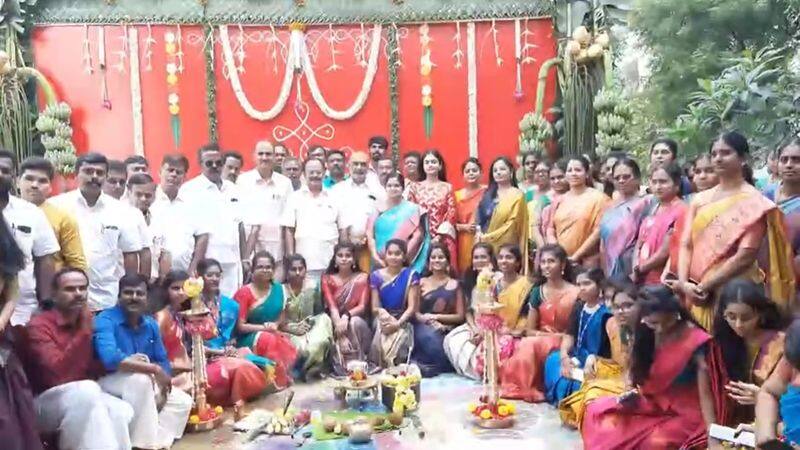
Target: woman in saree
(18, 414)
(723, 231)
(538, 200)
(435, 197)
(576, 215)
(605, 377)
(467, 199)
(305, 321)
(529, 162)
(558, 187)
(786, 194)
(233, 376)
(461, 344)
(704, 177)
(394, 298)
(261, 313)
(652, 245)
(441, 308)
(400, 220)
(747, 329)
(779, 398)
(345, 291)
(502, 212)
(619, 224)
(549, 305)
(170, 323)
(672, 404)
(585, 341)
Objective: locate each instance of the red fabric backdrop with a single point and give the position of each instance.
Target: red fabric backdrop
(58, 54)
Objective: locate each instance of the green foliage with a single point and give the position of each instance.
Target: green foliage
(756, 94)
(693, 39)
(572, 13)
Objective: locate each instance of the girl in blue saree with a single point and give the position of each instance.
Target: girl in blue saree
(585, 340)
(395, 293)
(261, 312)
(400, 220)
(441, 309)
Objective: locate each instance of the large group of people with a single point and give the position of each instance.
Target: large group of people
(644, 306)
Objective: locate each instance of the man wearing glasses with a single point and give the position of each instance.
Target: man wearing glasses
(216, 201)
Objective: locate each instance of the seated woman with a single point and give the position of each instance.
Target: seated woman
(261, 312)
(170, 323)
(395, 298)
(585, 340)
(511, 289)
(233, 376)
(604, 377)
(345, 291)
(655, 232)
(671, 405)
(779, 397)
(441, 308)
(550, 305)
(309, 328)
(747, 328)
(461, 344)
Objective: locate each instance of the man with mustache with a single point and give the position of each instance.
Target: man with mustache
(35, 186)
(35, 238)
(335, 164)
(111, 243)
(292, 169)
(128, 343)
(62, 370)
(377, 147)
(215, 200)
(312, 221)
(185, 238)
(141, 194)
(281, 152)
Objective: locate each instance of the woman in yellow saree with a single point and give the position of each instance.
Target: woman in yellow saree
(576, 215)
(503, 213)
(722, 234)
(606, 377)
(467, 199)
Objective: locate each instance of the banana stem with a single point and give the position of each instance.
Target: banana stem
(47, 88)
(542, 82)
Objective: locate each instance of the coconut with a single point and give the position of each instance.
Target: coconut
(603, 39)
(582, 35)
(396, 419)
(583, 56)
(377, 421)
(5, 69)
(573, 48)
(3, 58)
(594, 51)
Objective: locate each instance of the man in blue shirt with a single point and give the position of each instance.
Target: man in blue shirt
(129, 346)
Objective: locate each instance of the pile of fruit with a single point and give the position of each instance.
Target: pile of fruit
(614, 116)
(207, 415)
(584, 47)
(56, 136)
(534, 133)
(342, 427)
(486, 411)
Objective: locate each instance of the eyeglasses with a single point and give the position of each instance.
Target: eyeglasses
(210, 164)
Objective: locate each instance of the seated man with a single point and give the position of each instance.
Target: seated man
(60, 365)
(129, 345)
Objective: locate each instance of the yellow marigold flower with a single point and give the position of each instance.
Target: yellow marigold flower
(172, 79)
(427, 100)
(486, 414)
(174, 109)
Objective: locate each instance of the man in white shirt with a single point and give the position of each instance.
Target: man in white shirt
(115, 186)
(215, 200)
(111, 243)
(185, 238)
(35, 238)
(377, 147)
(136, 164)
(358, 200)
(313, 221)
(293, 170)
(264, 194)
(141, 192)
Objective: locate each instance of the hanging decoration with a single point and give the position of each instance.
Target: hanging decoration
(173, 100)
(179, 53)
(472, 91)
(122, 53)
(393, 49)
(273, 46)
(239, 51)
(148, 49)
(136, 93)
(360, 46)
(494, 32)
(86, 51)
(518, 93)
(211, 85)
(425, 68)
(458, 54)
(303, 132)
(332, 42)
(101, 62)
(526, 45)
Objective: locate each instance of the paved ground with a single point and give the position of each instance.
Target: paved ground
(442, 413)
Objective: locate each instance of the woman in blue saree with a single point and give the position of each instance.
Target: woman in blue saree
(786, 194)
(400, 220)
(395, 294)
(619, 225)
(585, 340)
(261, 312)
(441, 309)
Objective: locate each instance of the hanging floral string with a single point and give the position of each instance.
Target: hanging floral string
(393, 50)
(173, 100)
(211, 83)
(425, 68)
(86, 51)
(148, 49)
(332, 42)
(494, 32)
(101, 62)
(458, 54)
(122, 53)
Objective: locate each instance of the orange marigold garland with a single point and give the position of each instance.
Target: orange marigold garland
(173, 100)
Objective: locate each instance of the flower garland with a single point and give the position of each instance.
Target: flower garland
(472, 91)
(136, 92)
(393, 50)
(211, 84)
(425, 68)
(173, 100)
